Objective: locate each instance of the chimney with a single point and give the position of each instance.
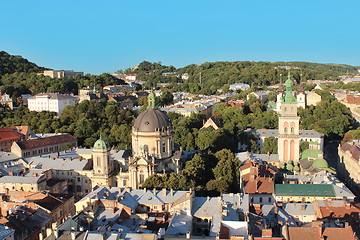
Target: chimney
(267, 233)
(56, 233)
(70, 158)
(145, 190)
(52, 158)
(57, 154)
(73, 235)
(164, 192)
(285, 231)
(303, 207)
(11, 173)
(171, 192)
(347, 205)
(154, 190)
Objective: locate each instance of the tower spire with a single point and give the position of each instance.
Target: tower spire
(289, 98)
(151, 100)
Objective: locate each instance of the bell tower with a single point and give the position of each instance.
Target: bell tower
(289, 136)
(102, 167)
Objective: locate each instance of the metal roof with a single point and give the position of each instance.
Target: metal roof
(313, 190)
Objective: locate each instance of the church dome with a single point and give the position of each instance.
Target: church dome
(152, 120)
(320, 163)
(101, 144)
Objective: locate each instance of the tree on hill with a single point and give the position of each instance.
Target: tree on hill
(10, 64)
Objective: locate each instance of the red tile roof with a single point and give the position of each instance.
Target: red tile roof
(338, 233)
(336, 209)
(352, 99)
(8, 134)
(259, 180)
(305, 233)
(353, 149)
(47, 141)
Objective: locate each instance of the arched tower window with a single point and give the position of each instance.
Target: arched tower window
(286, 150)
(285, 130)
(292, 125)
(98, 161)
(292, 150)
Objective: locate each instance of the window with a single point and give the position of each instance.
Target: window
(98, 161)
(285, 130)
(163, 146)
(260, 199)
(78, 179)
(292, 130)
(269, 200)
(124, 182)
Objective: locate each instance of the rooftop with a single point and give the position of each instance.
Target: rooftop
(48, 141)
(313, 190)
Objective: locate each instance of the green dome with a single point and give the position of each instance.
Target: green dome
(320, 163)
(101, 144)
(289, 167)
(290, 162)
(311, 153)
(296, 168)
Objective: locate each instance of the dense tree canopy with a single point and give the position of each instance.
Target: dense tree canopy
(330, 117)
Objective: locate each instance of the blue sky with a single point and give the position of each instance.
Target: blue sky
(105, 36)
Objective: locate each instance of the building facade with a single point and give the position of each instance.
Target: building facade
(52, 102)
(61, 73)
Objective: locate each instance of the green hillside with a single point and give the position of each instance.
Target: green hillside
(11, 64)
(215, 75)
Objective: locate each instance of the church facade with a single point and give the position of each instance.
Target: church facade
(152, 152)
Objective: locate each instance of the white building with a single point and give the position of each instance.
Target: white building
(239, 86)
(61, 73)
(5, 99)
(52, 102)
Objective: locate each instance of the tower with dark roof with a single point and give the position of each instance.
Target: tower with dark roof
(300, 95)
(152, 143)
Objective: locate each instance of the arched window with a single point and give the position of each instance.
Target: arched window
(292, 130)
(98, 160)
(285, 130)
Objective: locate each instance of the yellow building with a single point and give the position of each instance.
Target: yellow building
(348, 165)
(313, 99)
(19, 183)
